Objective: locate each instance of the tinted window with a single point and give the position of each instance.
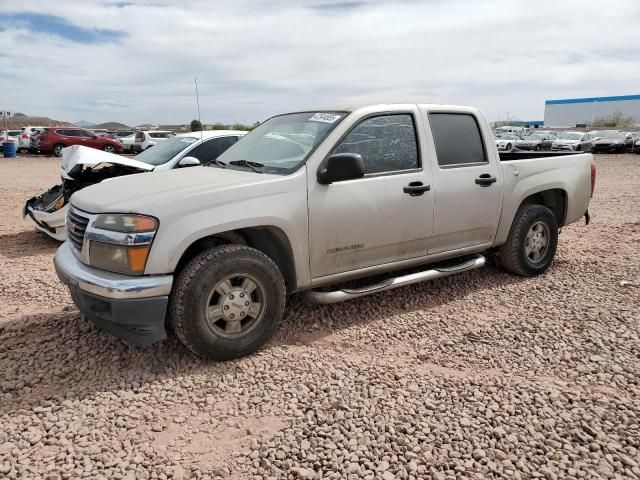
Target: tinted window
(457, 138)
(87, 134)
(211, 149)
(387, 143)
(74, 133)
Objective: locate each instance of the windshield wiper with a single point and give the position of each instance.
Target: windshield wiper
(246, 163)
(217, 162)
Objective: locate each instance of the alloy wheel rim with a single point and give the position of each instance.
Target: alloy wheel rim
(235, 305)
(537, 242)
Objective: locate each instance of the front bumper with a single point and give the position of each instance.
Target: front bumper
(51, 223)
(132, 308)
(608, 147)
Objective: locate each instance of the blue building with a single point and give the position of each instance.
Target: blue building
(583, 111)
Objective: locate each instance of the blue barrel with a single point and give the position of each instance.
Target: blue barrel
(9, 149)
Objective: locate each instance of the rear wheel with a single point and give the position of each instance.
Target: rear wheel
(532, 241)
(57, 149)
(227, 302)
(109, 148)
(23, 150)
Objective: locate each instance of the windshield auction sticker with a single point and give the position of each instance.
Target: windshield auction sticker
(325, 117)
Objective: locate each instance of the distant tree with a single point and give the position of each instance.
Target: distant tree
(196, 126)
(616, 119)
(240, 126)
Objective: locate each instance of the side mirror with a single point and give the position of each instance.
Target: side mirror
(95, 136)
(340, 167)
(188, 162)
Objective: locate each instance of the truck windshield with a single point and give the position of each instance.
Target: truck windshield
(165, 151)
(282, 143)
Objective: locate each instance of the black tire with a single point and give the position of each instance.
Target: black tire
(513, 255)
(538, 148)
(508, 147)
(23, 150)
(109, 148)
(57, 149)
(193, 292)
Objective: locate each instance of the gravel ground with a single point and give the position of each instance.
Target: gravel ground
(481, 375)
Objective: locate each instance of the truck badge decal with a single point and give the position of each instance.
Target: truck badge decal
(348, 248)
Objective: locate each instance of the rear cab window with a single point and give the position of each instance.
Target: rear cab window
(458, 139)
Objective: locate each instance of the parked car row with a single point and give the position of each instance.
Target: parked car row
(51, 140)
(597, 141)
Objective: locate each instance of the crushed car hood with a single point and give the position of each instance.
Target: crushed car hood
(77, 157)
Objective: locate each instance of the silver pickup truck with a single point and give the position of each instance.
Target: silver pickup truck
(306, 202)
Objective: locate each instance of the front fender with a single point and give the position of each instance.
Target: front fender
(285, 210)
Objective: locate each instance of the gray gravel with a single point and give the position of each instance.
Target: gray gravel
(482, 375)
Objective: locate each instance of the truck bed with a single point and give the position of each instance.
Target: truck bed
(523, 155)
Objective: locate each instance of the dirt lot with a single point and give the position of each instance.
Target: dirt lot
(482, 375)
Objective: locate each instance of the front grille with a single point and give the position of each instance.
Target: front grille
(76, 226)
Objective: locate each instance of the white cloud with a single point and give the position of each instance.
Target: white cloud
(255, 59)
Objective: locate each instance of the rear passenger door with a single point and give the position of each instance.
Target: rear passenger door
(467, 189)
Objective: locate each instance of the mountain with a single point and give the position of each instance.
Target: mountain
(83, 123)
(27, 121)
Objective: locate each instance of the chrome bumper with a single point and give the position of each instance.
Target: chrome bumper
(73, 272)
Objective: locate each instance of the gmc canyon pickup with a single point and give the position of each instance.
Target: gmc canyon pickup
(306, 202)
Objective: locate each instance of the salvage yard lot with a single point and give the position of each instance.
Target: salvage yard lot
(476, 375)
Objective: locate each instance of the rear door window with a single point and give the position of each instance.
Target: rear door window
(458, 139)
(387, 143)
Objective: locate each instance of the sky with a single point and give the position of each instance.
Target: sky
(135, 61)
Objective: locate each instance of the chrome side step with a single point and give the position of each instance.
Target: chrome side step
(431, 274)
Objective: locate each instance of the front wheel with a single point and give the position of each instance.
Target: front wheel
(532, 241)
(109, 148)
(227, 302)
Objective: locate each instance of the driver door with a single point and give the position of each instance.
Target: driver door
(371, 221)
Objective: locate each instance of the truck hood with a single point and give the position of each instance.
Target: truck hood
(77, 157)
(155, 192)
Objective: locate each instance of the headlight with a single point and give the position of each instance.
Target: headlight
(124, 247)
(126, 223)
(119, 258)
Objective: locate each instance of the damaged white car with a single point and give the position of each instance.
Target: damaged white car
(83, 166)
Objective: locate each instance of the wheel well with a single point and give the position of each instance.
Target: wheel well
(269, 240)
(555, 200)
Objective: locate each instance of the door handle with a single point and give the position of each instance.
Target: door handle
(485, 180)
(415, 189)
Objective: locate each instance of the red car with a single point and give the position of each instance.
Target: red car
(56, 138)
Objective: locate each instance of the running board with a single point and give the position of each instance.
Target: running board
(350, 293)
